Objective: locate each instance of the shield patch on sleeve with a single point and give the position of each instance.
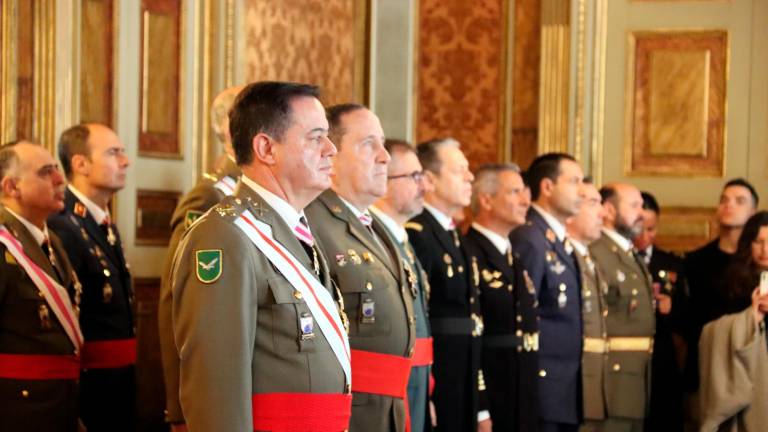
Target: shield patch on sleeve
(208, 263)
(190, 217)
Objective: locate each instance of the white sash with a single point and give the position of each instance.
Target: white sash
(226, 185)
(317, 298)
(55, 294)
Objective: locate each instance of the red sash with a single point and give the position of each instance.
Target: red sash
(422, 353)
(39, 367)
(382, 374)
(301, 412)
(109, 354)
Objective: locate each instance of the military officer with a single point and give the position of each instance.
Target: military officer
(95, 163)
(260, 340)
(669, 287)
(368, 269)
(40, 338)
(583, 229)
(630, 319)
(499, 204)
(403, 200)
(555, 182)
(211, 189)
(454, 312)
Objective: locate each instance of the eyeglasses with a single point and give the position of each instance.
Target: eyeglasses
(416, 176)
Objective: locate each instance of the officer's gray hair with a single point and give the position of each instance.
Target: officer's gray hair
(220, 107)
(487, 181)
(428, 153)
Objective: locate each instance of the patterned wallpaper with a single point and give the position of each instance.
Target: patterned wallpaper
(309, 41)
(460, 86)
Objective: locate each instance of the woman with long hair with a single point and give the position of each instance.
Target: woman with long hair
(733, 353)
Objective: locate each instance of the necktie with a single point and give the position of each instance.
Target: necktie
(367, 222)
(307, 241)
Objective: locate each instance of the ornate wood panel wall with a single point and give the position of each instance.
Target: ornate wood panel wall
(160, 74)
(525, 81)
(311, 41)
(97, 61)
(676, 98)
(461, 87)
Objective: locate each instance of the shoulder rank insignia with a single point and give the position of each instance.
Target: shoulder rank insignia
(80, 209)
(9, 259)
(190, 217)
(208, 263)
(414, 226)
(211, 177)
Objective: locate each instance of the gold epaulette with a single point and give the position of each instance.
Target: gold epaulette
(212, 177)
(230, 207)
(414, 226)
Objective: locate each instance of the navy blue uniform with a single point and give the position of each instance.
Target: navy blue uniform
(555, 276)
(107, 394)
(454, 315)
(508, 346)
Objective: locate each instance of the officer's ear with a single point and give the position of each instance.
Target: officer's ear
(485, 202)
(8, 185)
(609, 210)
(80, 164)
(264, 148)
(429, 180)
(546, 186)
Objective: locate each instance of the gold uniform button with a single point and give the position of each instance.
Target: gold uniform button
(298, 295)
(410, 352)
(634, 292)
(471, 300)
(519, 318)
(411, 320)
(368, 286)
(25, 393)
(519, 333)
(509, 287)
(616, 367)
(562, 287)
(460, 269)
(605, 313)
(542, 373)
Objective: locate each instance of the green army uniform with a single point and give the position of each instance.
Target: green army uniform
(378, 302)
(630, 324)
(191, 206)
(32, 337)
(595, 357)
(240, 329)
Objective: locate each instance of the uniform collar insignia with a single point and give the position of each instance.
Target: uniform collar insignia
(80, 209)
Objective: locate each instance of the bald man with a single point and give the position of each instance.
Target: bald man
(40, 338)
(212, 188)
(630, 322)
(95, 164)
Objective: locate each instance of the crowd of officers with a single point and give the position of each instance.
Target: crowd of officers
(318, 281)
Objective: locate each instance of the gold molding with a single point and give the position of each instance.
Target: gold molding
(578, 122)
(8, 94)
(229, 44)
(598, 90)
(44, 75)
(362, 51)
(416, 64)
(555, 74)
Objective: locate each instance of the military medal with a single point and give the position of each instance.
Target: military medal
(455, 238)
(475, 272)
(367, 310)
(106, 293)
(367, 257)
(411, 278)
(449, 270)
(354, 257)
(111, 238)
(620, 276)
(568, 247)
(496, 284)
(562, 299)
(587, 306)
(307, 326)
(341, 260)
(80, 209)
(632, 305)
(550, 235)
(45, 317)
(557, 267)
(510, 261)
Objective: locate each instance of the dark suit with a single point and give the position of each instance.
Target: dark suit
(107, 391)
(454, 314)
(666, 406)
(369, 272)
(34, 405)
(556, 278)
(506, 345)
(194, 204)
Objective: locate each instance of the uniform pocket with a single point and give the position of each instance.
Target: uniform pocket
(364, 295)
(627, 380)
